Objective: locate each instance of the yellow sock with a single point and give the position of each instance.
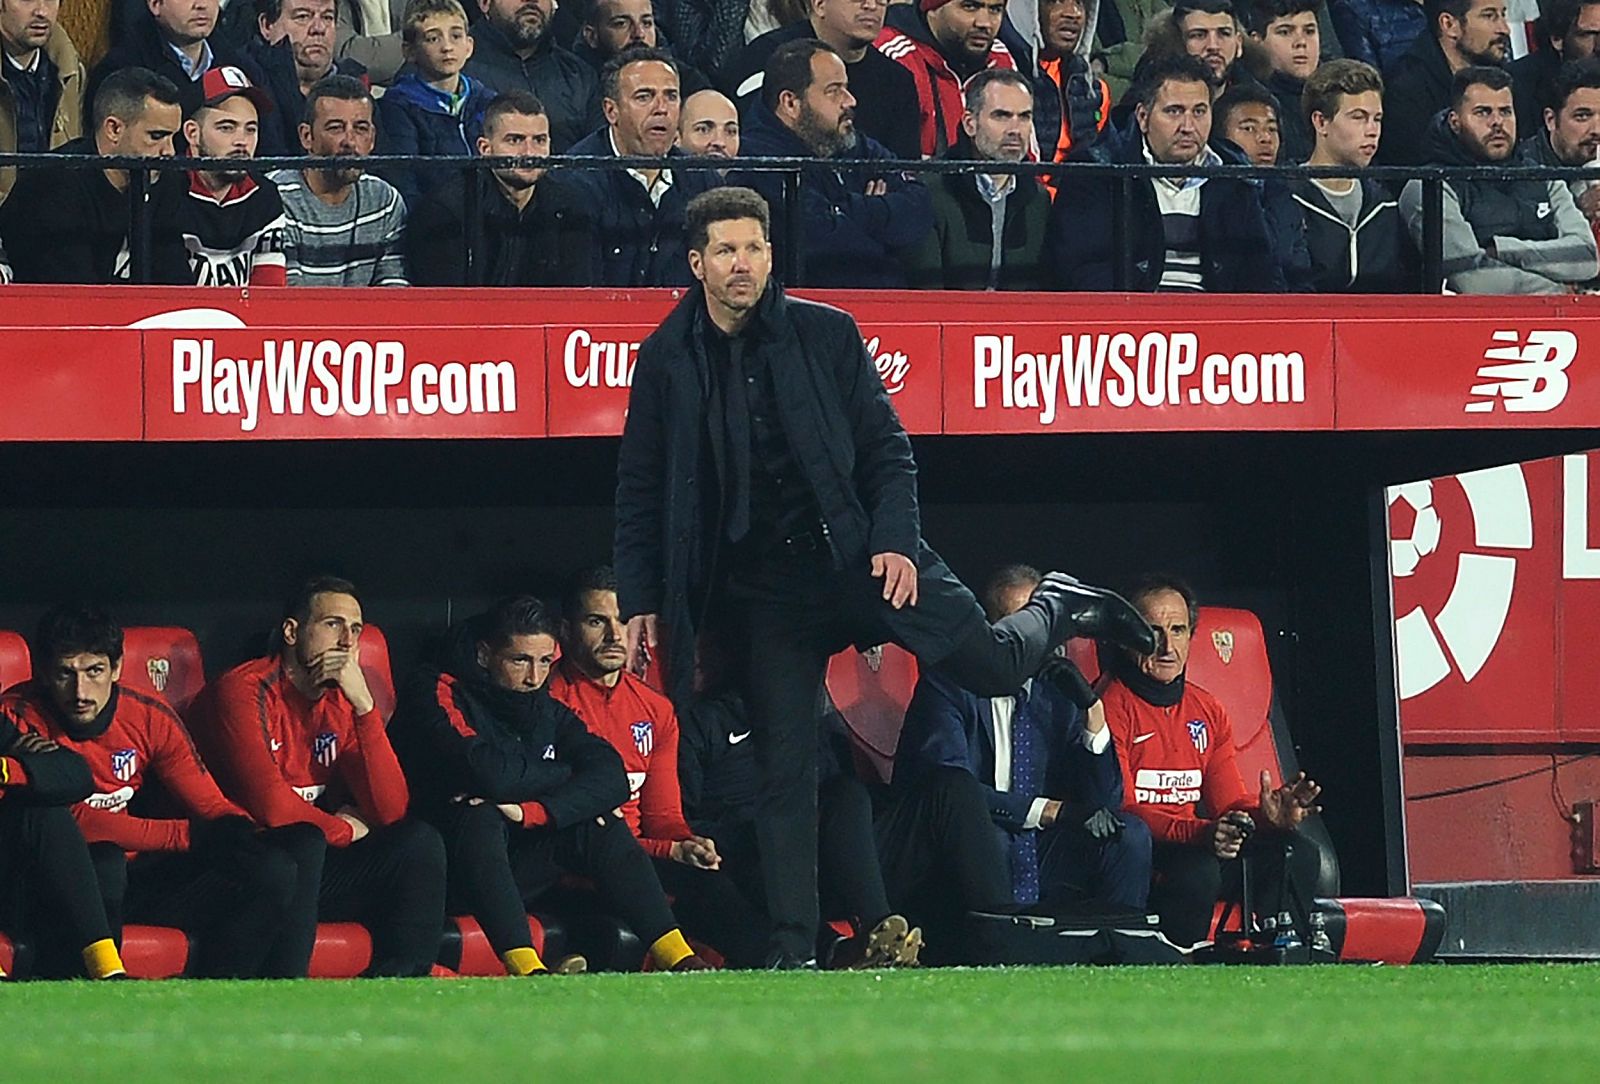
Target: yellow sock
(670, 949)
(522, 961)
(102, 961)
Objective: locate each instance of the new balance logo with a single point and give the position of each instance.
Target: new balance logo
(1530, 376)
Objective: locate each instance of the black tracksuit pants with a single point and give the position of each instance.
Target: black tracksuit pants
(793, 614)
(47, 885)
(234, 897)
(392, 882)
(1190, 879)
(498, 868)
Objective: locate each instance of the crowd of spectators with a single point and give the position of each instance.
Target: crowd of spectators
(861, 87)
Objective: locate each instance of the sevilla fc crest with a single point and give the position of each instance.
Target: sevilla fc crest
(644, 737)
(325, 748)
(160, 670)
(1222, 640)
(1198, 735)
(125, 764)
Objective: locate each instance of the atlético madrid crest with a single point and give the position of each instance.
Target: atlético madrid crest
(125, 764)
(325, 748)
(644, 737)
(1198, 735)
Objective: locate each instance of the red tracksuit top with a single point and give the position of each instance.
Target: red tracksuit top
(289, 760)
(1179, 767)
(939, 89)
(144, 740)
(641, 726)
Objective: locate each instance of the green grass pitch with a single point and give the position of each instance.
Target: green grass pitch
(1239, 1025)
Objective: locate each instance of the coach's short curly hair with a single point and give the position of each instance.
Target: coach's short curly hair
(725, 204)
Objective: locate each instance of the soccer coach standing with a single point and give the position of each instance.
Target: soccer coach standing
(765, 486)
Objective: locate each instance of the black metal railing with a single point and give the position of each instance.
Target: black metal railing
(793, 171)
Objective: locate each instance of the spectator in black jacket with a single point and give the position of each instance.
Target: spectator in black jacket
(970, 209)
(639, 213)
(1569, 132)
(1246, 126)
(1354, 234)
(516, 51)
(1071, 105)
(885, 92)
(708, 124)
(47, 879)
(1573, 27)
(531, 232)
(1289, 34)
(1210, 32)
(615, 26)
(1460, 34)
(1192, 234)
(177, 41)
(521, 791)
(71, 225)
(855, 221)
(292, 43)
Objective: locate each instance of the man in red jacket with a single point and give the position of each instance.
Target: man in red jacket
(296, 738)
(943, 44)
(47, 880)
(1179, 767)
(205, 870)
(639, 722)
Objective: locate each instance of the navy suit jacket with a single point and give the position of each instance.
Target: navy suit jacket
(946, 726)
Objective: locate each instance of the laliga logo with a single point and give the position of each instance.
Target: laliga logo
(1468, 625)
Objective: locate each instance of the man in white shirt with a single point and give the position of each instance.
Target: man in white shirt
(1047, 769)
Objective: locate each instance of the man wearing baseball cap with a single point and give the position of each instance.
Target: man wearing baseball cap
(943, 44)
(230, 224)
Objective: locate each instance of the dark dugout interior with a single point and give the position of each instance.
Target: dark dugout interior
(212, 537)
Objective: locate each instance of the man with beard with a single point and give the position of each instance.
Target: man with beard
(886, 95)
(1573, 27)
(71, 225)
(292, 43)
(988, 229)
(521, 791)
(41, 82)
(1209, 31)
(638, 213)
(1461, 34)
(1500, 237)
(1180, 774)
(531, 232)
(1051, 41)
(343, 227)
(296, 738)
(765, 484)
(611, 27)
(1569, 132)
(943, 44)
(220, 227)
(709, 125)
(515, 51)
(855, 221)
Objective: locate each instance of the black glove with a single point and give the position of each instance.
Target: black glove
(1064, 674)
(1103, 825)
(1081, 103)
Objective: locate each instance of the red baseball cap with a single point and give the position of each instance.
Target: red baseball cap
(223, 82)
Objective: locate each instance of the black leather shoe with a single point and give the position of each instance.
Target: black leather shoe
(1095, 613)
(784, 960)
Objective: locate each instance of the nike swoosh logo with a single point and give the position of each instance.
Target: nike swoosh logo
(735, 739)
(276, 745)
(1143, 737)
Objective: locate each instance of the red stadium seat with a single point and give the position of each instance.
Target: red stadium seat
(8, 955)
(1229, 660)
(15, 665)
(154, 952)
(476, 957)
(872, 689)
(343, 951)
(375, 664)
(163, 662)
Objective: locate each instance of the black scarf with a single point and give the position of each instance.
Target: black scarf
(1146, 688)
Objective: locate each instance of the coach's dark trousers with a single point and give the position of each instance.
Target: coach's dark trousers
(788, 616)
(1190, 879)
(498, 868)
